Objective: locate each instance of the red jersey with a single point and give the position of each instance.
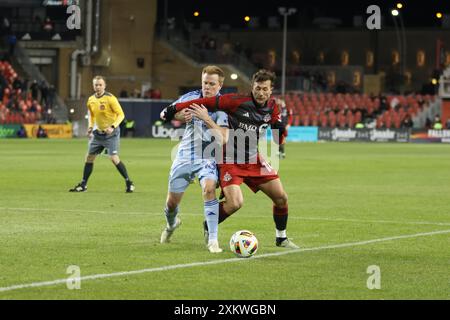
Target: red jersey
(247, 119)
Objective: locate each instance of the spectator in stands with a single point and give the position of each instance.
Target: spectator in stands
(286, 118)
(123, 93)
(6, 25)
(129, 127)
(137, 93)
(47, 25)
(41, 133)
(17, 84)
(407, 122)
(21, 133)
(155, 94)
(359, 125)
(12, 41)
(428, 123)
(44, 93)
(437, 125)
(37, 22)
(34, 87)
(51, 96)
(211, 44)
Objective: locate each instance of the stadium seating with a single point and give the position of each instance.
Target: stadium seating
(346, 110)
(16, 107)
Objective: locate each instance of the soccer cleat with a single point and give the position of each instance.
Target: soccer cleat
(79, 188)
(168, 231)
(286, 243)
(213, 246)
(130, 187)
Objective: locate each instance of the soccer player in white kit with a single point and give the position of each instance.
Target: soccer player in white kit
(192, 161)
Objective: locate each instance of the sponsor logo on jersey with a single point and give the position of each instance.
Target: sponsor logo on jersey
(227, 177)
(247, 127)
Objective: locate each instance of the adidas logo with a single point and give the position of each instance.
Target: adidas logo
(246, 115)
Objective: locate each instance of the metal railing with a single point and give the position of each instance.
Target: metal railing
(59, 108)
(200, 55)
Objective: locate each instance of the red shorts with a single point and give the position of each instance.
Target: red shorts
(253, 175)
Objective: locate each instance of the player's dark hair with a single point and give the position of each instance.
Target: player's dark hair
(264, 75)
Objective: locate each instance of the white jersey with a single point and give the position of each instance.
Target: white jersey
(196, 141)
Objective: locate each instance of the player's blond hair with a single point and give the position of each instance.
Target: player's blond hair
(98, 77)
(214, 70)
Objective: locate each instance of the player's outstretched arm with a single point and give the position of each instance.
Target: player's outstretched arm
(201, 113)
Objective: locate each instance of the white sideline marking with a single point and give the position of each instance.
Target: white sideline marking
(160, 214)
(220, 261)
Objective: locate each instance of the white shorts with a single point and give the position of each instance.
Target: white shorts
(182, 173)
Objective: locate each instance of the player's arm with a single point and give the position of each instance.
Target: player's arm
(278, 129)
(91, 120)
(183, 116)
(201, 113)
(227, 103)
(117, 109)
(290, 118)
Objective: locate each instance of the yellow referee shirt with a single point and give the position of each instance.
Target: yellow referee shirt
(104, 111)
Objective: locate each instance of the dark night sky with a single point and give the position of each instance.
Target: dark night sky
(417, 13)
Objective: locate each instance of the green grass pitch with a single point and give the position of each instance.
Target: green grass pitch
(351, 206)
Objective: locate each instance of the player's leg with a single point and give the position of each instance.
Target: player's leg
(171, 209)
(230, 180)
(275, 191)
(207, 173)
(171, 212)
(211, 213)
(123, 172)
(95, 147)
(112, 144)
(233, 201)
(281, 152)
(179, 179)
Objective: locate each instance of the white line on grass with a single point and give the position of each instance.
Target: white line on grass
(220, 261)
(160, 214)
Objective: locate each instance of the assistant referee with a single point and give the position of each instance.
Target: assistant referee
(105, 116)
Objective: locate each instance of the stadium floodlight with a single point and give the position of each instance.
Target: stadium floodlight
(233, 76)
(399, 5)
(285, 13)
(401, 38)
(438, 15)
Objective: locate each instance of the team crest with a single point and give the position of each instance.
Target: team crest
(267, 118)
(102, 107)
(227, 177)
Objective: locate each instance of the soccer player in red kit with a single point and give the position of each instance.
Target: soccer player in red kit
(287, 117)
(248, 116)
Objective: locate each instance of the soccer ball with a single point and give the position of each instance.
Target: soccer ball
(243, 243)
